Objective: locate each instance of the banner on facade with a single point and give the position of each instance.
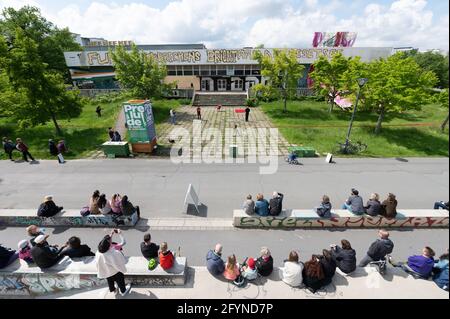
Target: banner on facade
(140, 121)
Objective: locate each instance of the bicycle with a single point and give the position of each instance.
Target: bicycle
(351, 148)
(381, 265)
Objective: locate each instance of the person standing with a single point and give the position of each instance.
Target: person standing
(247, 113)
(111, 265)
(9, 147)
(110, 133)
(23, 148)
(53, 150)
(199, 113)
(172, 116)
(98, 110)
(61, 148)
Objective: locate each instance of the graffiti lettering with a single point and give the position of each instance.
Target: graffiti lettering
(228, 56)
(344, 222)
(97, 56)
(181, 56)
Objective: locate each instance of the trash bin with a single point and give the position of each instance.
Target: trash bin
(113, 149)
(233, 151)
(302, 151)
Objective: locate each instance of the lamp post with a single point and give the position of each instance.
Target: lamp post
(361, 83)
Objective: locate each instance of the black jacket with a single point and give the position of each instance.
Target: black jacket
(52, 148)
(313, 283)
(380, 248)
(265, 268)
(345, 259)
(149, 251)
(48, 209)
(9, 147)
(276, 205)
(44, 256)
(82, 251)
(329, 269)
(373, 208)
(5, 255)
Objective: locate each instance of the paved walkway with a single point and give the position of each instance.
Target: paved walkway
(365, 283)
(224, 119)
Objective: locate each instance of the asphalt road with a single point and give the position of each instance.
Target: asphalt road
(159, 186)
(243, 243)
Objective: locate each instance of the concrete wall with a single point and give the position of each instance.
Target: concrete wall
(184, 82)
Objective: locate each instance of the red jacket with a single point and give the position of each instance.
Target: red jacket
(166, 260)
(22, 147)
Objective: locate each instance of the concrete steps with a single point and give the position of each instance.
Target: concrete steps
(224, 99)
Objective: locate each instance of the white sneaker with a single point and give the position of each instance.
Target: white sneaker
(127, 291)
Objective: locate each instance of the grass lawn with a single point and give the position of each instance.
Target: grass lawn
(415, 133)
(83, 135)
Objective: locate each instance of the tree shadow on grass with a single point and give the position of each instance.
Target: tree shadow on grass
(419, 140)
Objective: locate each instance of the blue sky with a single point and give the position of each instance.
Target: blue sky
(237, 23)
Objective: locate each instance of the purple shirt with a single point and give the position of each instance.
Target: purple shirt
(421, 265)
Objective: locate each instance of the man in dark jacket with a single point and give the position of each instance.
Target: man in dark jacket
(7, 256)
(379, 249)
(264, 264)
(23, 148)
(276, 204)
(48, 208)
(148, 249)
(9, 147)
(44, 255)
(214, 262)
(76, 250)
(53, 150)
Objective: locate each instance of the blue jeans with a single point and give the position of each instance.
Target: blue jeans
(441, 205)
(172, 120)
(349, 208)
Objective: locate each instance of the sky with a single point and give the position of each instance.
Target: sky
(422, 24)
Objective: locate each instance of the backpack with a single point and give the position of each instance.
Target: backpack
(239, 281)
(152, 264)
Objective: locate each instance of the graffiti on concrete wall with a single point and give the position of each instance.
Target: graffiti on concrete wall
(98, 58)
(345, 222)
(177, 56)
(160, 281)
(228, 56)
(41, 284)
(73, 221)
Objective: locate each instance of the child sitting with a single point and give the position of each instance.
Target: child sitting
(166, 258)
(249, 270)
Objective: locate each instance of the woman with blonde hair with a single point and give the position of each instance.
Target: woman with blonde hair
(264, 264)
(261, 206)
(390, 206)
(373, 207)
(115, 204)
(231, 269)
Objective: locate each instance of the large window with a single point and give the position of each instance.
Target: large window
(171, 70)
(205, 70)
(187, 70)
(196, 69)
(179, 70)
(221, 70)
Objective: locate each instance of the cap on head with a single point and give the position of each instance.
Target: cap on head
(251, 263)
(40, 239)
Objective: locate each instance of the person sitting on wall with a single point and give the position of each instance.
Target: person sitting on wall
(440, 272)
(44, 255)
(249, 205)
(419, 265)
(324, 210)
(261, 206)
(264, 263)
(354, 203)
(344, 256)
(166, 258)
(214, 262)
(249, 271)
(7, 256)
(116, 137)
(379, 249)
(33, 231)
(442, 205)
(389, 206)
(48, 208)
(328, 265)
(74, 249)
(291, 273)
(148, 249)
(24, 247)
(129, 211)
(374, 207)
(231, 271)
(313, 276)
(276, 204)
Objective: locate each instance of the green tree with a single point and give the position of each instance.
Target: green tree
(396, 84)
(45, 96)
(282, 70)
(51, 41)
(336, 76)
(442, 100)
(433, 61)
(139, 72)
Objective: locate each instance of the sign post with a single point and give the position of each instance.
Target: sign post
(191, 198)
(141, 125)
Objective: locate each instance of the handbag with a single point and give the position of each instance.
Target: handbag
(85, 211)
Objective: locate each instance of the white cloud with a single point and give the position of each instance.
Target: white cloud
(237, 23)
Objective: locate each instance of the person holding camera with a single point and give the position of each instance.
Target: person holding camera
(111, 264)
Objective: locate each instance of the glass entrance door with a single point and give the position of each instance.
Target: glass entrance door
(221, 85)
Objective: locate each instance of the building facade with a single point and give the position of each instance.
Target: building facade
(193, 66)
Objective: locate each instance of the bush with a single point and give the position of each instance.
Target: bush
(266, 93)
(252, 102)
(185, 101)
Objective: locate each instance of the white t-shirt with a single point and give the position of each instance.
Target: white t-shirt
(291, 273)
